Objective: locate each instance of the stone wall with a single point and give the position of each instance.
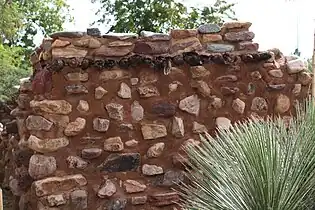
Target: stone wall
(103, 120)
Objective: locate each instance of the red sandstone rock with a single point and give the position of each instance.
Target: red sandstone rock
(183, 33)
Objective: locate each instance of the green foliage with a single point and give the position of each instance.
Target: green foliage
(12, 68)
(159, 15)
(255, 165)
(20, 21)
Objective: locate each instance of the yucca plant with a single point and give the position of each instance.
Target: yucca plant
(255, 165)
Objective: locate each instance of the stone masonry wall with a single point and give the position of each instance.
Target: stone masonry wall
(103, 120)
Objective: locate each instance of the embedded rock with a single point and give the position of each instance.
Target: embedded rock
(115, 111)
(216, 103)
(124, 91)
(83, 106)
(199, 72)
(238, 105)
(153, 131)
(137, 111)
(282, 104)
(199, 128)
(172, 177)
(237, 25)
(76, 162)
(79, 200)
(202, 87)
(206, 38)
(68, 52)
(52, 185)
(99, 92)
(132, 186)
(46, 145)
(56, 200)
(132, 143)
(107, 190)
(183, 33)
(156, 150)
(163, 109)
(114, 75)
(139, 200)
(209, 28)
(164, 199)
(77, 77)
(113, 144)
(52, 106)
(223, 123)
(134, 81)
(239, 36)
(295, 66)
(76, 89)
(190, 104)
(219, 48)
(121, 162)
(100, 124)
(259, 104)
(152, 170)
(75, 127)
(91, 153)
(178, 127)
(38, 123)
(148, 91)
(276, 73)
(41, 166)
(185, 45)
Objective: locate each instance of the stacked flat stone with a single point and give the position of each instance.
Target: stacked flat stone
(106, 126)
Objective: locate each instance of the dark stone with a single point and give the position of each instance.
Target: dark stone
(164, 199)
(229, 58)
(68, 34)
(192, 59)
(271, 87)
(123, 63)
(178, 60)
(73, 62)
(170, 178)
(264, 56)
(247, 58)
(93, 32)
(164, 109)
(229, 90)
(85, 64)
(209, 28)
(121, 162)
(57, 65)
(76, 89)
(11, 127)
(22, 157)
(218, 59)
(117, 204)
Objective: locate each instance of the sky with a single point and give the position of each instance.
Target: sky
(274, 21)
